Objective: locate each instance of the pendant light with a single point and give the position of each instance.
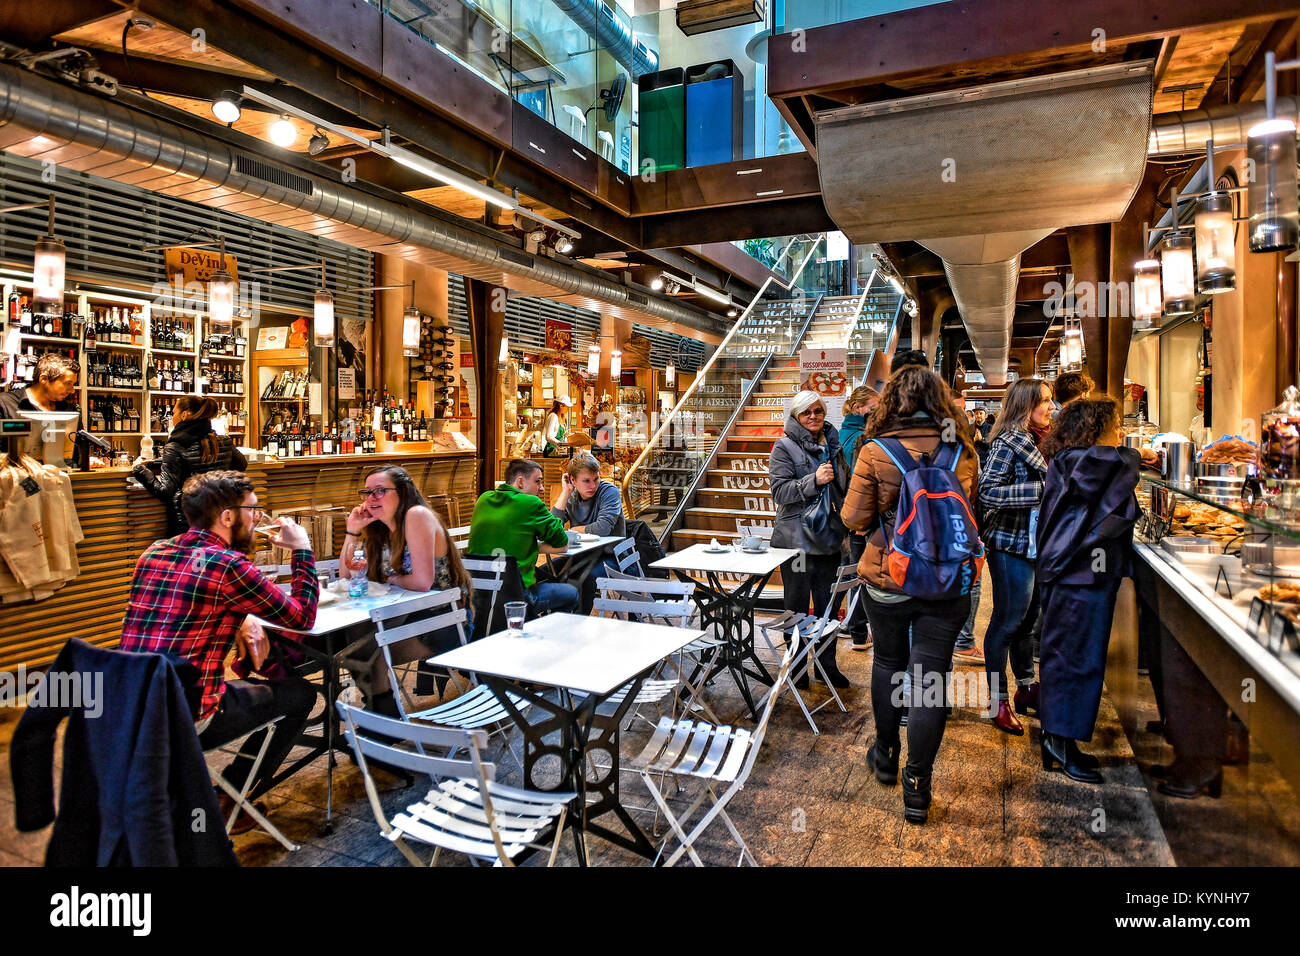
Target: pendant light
(48, 265)
(615, 365)
(1072, 344)
(1271, 195)
(670, 375)
(1177, 267)
(323, 314)
(1216, 266)
(221, 298)
(1147, 304)
(593, 360)
(505, 350)
(411, 327)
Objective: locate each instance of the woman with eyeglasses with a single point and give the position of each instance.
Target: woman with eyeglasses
(803, 462)
(407, 546)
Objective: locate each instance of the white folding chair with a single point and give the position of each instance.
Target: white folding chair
(476, 708)
(717, 755)
(815, 631)
(660, 602)
(467, 811)
(627, 559)
(459, 537)
(240, 796)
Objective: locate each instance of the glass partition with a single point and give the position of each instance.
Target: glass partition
(790, 15)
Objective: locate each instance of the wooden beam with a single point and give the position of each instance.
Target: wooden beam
(938, 37)
(32, 24)
(486, 305)
(1090, 259)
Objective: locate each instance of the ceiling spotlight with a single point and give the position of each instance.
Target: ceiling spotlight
(563, 245)
(537, 236)
(657, 283)
(283, 132)
(226, 107)
(318, 143)
(672, 286)
(732, 313)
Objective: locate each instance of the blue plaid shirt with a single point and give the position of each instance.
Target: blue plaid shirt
(1011, 487)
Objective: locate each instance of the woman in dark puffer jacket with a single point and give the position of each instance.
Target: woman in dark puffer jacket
(192, 448)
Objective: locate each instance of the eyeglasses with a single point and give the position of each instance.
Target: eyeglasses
(813, 411)
(374, 492)
(256, 509)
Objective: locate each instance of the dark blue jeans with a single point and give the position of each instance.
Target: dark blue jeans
(1010, 633)
(551, 596)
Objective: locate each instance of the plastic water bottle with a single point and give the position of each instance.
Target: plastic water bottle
(358, 584)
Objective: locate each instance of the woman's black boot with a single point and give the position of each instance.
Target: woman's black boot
(916, 797)
(1057, 755)
(883, 761)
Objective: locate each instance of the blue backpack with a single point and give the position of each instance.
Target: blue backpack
(935, 551)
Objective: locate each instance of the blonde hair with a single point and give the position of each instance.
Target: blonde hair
(860, 396)
(583, 461)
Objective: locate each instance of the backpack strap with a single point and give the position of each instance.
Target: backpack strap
(898, 454)
(947, 455)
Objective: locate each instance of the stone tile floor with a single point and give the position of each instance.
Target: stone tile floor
(811, 801)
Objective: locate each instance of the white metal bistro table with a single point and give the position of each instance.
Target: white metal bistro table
(587, 659)
(579, 559)
(730, 607)
(337, 625)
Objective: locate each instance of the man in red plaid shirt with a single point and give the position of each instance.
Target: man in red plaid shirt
(190, 598)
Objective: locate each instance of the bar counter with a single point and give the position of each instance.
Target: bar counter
(1254, 682)
(119, 522)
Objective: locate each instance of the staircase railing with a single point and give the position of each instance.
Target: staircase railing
(860, 349)
(690, 426)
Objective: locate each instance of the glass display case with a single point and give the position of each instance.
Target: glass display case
(1239, 555)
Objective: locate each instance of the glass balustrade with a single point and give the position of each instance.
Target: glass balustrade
(681, 446)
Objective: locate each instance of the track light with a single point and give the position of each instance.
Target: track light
(537, 236)
(226, 107)
(563, 245)
(732, 312)
(282, 132)
(318, 143)
(657, 283)
(711, 293)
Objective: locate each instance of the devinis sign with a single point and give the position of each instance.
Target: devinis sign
(197, 265)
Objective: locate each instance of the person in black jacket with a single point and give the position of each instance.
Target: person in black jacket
(1085, 547)
(192, 448)
(135, 788)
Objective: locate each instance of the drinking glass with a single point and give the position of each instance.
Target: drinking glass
(515, 613)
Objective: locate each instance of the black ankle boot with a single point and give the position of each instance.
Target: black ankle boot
(883, 761)
(826, 656)
(1087, 761)
(1057, 755)
(916, 797)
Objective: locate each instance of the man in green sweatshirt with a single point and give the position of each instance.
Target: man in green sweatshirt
(513, 520)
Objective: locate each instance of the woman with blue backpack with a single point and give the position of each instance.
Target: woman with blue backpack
(910, 493)
(1011, 488)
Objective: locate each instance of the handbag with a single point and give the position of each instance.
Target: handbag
(821, 520)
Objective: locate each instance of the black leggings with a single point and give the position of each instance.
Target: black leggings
(932, 628)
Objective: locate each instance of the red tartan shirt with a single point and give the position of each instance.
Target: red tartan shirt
(191, 593)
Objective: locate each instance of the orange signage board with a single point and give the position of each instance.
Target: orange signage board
(197, 265)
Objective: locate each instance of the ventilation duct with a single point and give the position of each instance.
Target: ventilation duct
(611, 34)
(1176, 134)
(46, 121)
(978, 175)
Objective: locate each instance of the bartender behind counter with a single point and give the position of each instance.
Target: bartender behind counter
(555, 430)
(51, 391)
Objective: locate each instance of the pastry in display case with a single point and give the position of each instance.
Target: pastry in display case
(1242, 561)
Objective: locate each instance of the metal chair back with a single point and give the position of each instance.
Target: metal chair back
(427, 614)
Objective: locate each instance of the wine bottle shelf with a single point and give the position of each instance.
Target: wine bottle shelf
(119, 391)
(179, 354)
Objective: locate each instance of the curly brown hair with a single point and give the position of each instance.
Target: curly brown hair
(913, 389)
(1081, 424)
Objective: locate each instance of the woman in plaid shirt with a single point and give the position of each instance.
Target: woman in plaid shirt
(1011, 486)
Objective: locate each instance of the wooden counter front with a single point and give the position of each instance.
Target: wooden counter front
(120, 522)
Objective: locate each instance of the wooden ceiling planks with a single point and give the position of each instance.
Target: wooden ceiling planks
(1196, 61)
(161, 43)
(257, 124)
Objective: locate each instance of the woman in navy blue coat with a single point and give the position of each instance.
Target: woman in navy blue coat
(1085, 545)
